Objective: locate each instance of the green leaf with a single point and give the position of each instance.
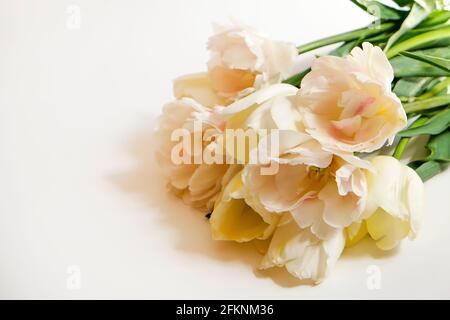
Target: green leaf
(403, 3)
(435, 18)
(408, 67)
(427, 104)
(436, 87)
(438, 159)
(438, 62)
(440, 147)
(418, 31)
(435, 125)
(401, 146)
(378, 39)
(411, 87)
(443, 42)
(441, 34)
(344, 49)
(427, 170)
(380, 10)
(419, 12)
(361, 33)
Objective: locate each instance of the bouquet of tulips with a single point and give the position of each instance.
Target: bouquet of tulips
(304, 165)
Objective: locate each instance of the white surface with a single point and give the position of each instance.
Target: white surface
(78, 182)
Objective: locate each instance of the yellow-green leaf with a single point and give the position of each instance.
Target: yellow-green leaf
(433, 126)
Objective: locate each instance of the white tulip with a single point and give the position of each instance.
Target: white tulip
(323, 191)
(303, 254)
(395, 202)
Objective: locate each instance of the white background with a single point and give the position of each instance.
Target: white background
(78, 182)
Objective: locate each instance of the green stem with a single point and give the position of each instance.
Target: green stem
(346, 36)
(418, 40)
(296, 79)
(427, 104)
(436, 89)
(401, 146)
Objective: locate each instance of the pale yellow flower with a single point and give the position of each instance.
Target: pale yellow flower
(236, 216)
(395, 202)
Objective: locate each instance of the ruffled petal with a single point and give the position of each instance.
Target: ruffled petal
(304, 255)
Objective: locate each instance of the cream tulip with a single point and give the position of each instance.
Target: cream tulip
(304, 255)
(323, 191)
(199, 87)
(243, 60)
(196, 182)
(395, 202)
(266, 111)
(347, 103)
(269, 108)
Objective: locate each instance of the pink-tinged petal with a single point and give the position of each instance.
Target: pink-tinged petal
(362, 107)
(348, 126)
(341, 100)
(308, 214)
(355, 102)
(339, 211)
(243, 60)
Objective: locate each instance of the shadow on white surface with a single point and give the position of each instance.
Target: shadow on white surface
(146, 182)
(192, 231)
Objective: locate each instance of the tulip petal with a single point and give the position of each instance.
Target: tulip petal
(259, 97)
(304, 255)
(198, 87)
(234, 219)
(347, 103)
(371, 62)
(309, 215)
(396, 192)
(339, 211)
